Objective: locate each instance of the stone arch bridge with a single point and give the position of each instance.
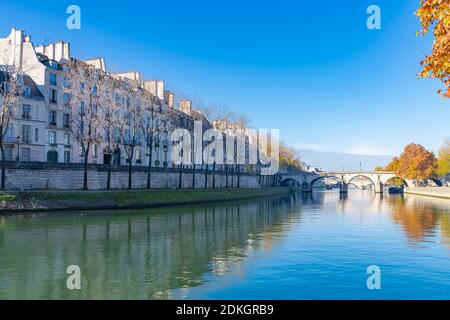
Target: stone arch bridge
(306, 180)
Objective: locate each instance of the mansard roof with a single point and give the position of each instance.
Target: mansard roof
(27, 81)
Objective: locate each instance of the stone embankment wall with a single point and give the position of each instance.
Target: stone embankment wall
(441, 192)
(42, 176)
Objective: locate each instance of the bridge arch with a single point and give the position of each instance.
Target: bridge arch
(361, 176)
(311, 184)
(290, 182)
(396, 177)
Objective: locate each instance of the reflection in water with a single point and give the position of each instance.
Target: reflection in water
(133, 255)
(417, 219)
(308, 242)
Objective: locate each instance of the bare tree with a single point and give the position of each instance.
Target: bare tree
(178, 119)
(87, 86)
(110, 122)
(152, 126)
(11, 83)
(131, 126)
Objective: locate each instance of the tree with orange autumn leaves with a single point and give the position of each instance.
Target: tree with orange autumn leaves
(435, 15)
(415, 163)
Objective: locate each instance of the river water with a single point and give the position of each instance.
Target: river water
(301, 246)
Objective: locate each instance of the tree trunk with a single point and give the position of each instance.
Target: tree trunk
(108, 180)
(130, 167)
(193, 176)
(214, 176)
(226, 176)
(180, 175)
(3, 183)
(232, 177)
(238, 176)
(149, 169)
(85, 173)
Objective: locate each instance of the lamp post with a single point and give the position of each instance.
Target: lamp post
(18, 149)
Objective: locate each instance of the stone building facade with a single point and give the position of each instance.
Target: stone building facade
(42, 129)
(51, 117)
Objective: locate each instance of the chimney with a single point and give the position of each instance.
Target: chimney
(98, 63)
(49, 51)
(186, 106)
(66, 52)
(155, 87)
(61, 51)
(168, 99)
(16, 39)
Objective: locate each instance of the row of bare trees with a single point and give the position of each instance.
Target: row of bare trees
(114, 112)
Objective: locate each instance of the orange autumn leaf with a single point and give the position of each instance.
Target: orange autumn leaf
(435, 15)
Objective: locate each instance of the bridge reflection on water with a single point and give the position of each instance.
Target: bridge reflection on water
(167, 253)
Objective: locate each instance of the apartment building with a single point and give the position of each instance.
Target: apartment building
(44, 127)
(44, 131)
(25, 134)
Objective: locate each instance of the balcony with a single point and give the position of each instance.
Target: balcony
(10, 140)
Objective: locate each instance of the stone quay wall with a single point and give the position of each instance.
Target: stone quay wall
(43, 176)
(441, 192)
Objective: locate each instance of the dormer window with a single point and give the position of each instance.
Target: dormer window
(26, 92)
(53, 79)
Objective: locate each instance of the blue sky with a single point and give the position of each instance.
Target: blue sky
(311, 69)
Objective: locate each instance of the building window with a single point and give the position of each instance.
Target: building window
(52, 117)
(66, 120)
(95, 151)
(26, 154)
(9, 138)
(26, 91)
(36, 135)
(37, 113)
(67, 139)
(81, 153)
(66, 83)
(67, 156)
(53, 95)
(26, 111)
(26, 134)
(138, 156)
(8, 153)
(82, 107)
(52, 137)
(52, 156)
(53, 79)
(66, 98)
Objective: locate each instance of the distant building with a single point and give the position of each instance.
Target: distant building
(186, 106)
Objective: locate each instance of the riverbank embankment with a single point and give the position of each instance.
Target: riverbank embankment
(36, 201)
(437, 192)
